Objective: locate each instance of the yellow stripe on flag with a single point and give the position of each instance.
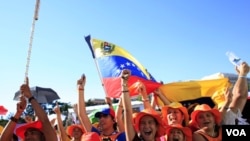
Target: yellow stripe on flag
(190, 90)
(118, 51)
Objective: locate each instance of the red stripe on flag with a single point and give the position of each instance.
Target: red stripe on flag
(113, 86)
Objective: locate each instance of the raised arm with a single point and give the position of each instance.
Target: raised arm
(240, 89)
(10, 127)
(119, 116)
(109, 102)
(162, 97)
(143, 92)
(62, 131)
(128, 121)
(48, 130)
(228, 99)
(82, 113)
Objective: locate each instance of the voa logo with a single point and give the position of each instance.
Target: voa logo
(236, 132)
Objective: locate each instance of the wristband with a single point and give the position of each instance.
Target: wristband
(124, 78)
(14, 119)
(125, 85)
(80, 89)
(125, 91)
(31, 98)
(242, 76)
(144, 100)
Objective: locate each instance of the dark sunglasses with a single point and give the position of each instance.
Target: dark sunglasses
(103, 115)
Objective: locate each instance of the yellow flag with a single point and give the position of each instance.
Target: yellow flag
(190, 90)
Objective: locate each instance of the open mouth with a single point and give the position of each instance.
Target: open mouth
(148, 133)
(173, 119)
(206, 123)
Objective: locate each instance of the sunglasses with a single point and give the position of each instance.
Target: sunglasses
(103, 115)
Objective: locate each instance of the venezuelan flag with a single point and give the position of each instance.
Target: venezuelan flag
(111, 60)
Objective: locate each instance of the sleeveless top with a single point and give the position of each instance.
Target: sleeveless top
(209, 138)
(137, 138)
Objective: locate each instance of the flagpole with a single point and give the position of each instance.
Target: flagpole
(35, 18)
(99, 73)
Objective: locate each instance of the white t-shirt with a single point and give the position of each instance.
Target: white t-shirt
(230, 117)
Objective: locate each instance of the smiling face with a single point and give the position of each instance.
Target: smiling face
(176, 135)
(174, 116)
(148, 128)
(205, 119)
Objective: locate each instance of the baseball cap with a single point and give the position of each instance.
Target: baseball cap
(105, 111)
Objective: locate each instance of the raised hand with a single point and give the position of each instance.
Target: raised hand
(157, 91)
(108, 100)
(23, 102)
(75, 108)
(81, 82)
(125, 74)
(25, 89)
(243, 69)
(228, 95)
(57, 109)
(21, 105)
(141, 89)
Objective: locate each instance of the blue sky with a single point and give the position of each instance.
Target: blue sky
(174, 40)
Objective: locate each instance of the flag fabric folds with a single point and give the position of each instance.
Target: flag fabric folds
(111, 60)
(190, 90)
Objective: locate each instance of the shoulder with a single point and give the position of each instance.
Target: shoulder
(198, 137)
(68, 138)
(121, 136)
(93, 129)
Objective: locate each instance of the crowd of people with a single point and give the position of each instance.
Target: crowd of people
(173, 122)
